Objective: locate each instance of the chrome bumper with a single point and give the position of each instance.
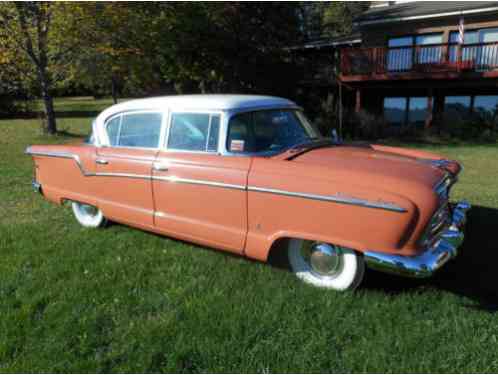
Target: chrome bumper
(425, 264)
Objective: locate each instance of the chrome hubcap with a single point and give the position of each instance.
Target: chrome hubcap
(89, 210)
(323, 259)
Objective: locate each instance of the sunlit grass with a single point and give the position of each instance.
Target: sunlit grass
(120, 300)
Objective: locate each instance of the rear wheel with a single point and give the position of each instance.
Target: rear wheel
(325, 265)
(87, 215)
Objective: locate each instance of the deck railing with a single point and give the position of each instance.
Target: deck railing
(428, 58)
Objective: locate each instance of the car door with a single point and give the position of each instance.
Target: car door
(124, 167)
(199, 194)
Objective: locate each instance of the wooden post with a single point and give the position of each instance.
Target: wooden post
(357, 107)
(428, 119)
(340, 109)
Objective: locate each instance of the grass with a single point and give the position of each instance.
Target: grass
(123, 300)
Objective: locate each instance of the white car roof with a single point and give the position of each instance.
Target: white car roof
(200, 102)
(211, 102)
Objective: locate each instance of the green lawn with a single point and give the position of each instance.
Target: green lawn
(123, 300)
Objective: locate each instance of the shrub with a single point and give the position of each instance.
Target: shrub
(12, 106)
(481, 127)
(327, 117)
(369, 126)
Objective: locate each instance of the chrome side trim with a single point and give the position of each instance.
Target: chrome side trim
(60, 154)
(127, 175)
(67, 155)
(430, 260)
(175, 179)
(337, 198)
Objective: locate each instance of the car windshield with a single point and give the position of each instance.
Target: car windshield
(269, 131)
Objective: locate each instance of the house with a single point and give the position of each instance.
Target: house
(414, 62)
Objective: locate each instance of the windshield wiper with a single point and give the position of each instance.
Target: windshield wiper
(308, 145)
(305, 143)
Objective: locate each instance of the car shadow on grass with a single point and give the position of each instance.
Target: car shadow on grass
(473, 273)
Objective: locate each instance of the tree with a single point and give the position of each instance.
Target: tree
(25, 29)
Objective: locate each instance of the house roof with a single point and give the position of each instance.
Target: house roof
(424, 9)
(339, 41)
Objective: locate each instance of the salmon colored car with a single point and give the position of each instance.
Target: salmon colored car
(247, 173)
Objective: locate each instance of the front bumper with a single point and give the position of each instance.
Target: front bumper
(433, 258)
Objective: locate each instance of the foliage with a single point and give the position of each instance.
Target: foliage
(136, 49)
(338, 16)
(182, 47)
(74, 300)
(30, 51)
(368, 125)
(327, 117)
(473, 128)
(330, 18)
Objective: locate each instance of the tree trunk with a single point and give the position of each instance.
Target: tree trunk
(114, 90)
(51, 125)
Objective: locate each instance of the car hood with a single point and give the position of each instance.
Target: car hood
(388, 167)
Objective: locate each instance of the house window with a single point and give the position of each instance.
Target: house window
(430, 50)
(395, 110)
(457, 106)
(418, 109)
(486, 106)
(483, 56)
(401, 55)
(413, 110)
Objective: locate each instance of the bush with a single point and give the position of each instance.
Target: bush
(327, 117)
(480, 127)
(12, 106)
(368, 125)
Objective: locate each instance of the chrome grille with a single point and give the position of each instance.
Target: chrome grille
(442, 188)
(439, 221)
(437, 224)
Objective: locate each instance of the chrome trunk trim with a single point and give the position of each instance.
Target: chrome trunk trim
(430, 260)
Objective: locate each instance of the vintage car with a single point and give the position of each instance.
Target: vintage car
(251, 175)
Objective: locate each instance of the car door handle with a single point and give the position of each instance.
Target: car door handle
(160, 167)
(101, 161)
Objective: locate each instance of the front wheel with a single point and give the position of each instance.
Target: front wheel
(325, 265)
(88, 216)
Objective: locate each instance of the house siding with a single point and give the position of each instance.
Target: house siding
(378, 35)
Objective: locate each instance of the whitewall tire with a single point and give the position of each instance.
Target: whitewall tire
(325, 265)
(88, 216)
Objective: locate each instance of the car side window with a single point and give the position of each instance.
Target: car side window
(135, 130)
(140, 130)
(194, 132)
